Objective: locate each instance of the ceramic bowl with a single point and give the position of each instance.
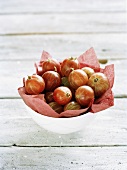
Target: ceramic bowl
(61, 125)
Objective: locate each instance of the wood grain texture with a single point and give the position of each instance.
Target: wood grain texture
(63, 28)
(41, 6)
(62, 23)
(109, 128)
(107, 46)
(63, 158)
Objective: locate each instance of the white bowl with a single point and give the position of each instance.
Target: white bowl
(62, 125)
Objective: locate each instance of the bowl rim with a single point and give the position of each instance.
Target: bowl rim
(61, 118)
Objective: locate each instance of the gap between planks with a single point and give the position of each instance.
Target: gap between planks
(16, 97)
(60, 33)
(63, 146)
(60, 12)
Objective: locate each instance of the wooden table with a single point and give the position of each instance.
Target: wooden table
(63, 28)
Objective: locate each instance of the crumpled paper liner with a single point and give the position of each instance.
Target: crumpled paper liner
(89, 58)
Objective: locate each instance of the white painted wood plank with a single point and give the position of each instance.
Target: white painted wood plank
(110, 46)
(63, 158)
(63, 23)
(15, 108)
(38, 6)
(12, 73)
(16, 127)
